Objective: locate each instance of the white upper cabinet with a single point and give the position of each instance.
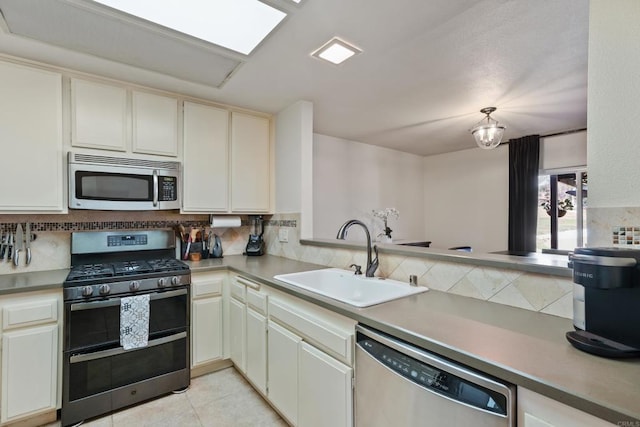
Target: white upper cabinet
(98, 115)
(250, 163)
(31, 137)
(206, 159)
(226, 168)
(155, 124)
(110, 117)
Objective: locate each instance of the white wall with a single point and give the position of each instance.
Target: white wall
(613, 120)
(294, 150)
(350, 179)
(467, 199)
(563, 151)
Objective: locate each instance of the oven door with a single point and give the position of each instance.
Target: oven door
(95, 325)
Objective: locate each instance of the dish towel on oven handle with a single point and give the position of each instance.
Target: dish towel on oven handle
(134, 321)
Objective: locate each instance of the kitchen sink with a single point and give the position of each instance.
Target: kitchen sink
(355, 290)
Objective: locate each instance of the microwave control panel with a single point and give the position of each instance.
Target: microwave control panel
(168, 188)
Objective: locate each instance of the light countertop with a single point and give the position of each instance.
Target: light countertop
(519, 346)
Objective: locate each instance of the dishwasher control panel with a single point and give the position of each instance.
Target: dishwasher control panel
(434, 379)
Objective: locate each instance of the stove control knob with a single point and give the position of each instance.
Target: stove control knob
(162, 282)
(104, 289)
(175, 280)
(87, 291)
(134, 286)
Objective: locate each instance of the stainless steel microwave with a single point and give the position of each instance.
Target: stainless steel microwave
(122, 184)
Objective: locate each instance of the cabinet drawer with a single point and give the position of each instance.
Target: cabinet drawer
(257, 301)
(32, 313)
(238, 291)
(335, 341)
(206, 287)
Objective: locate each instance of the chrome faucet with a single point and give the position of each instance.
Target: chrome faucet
(372, 264)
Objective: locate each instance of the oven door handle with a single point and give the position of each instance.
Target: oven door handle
(116, 301)
(78, 358)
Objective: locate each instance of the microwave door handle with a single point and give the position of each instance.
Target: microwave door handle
(155, 188)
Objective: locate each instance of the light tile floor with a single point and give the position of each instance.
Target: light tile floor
(219, 399)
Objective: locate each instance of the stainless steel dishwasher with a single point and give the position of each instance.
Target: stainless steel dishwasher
(398, 384)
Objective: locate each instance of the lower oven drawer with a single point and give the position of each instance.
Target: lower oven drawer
(88, 374)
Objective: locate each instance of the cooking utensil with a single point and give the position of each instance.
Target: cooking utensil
(3, 246)
(19, 245)
(27, 240)
(10, 246)
(187, 249)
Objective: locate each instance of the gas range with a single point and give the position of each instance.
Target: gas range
(111, 273)
(119, 263)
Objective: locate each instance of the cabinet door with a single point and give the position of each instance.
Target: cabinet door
(206, 159)
(31, 134)
(98, 115)
(238, 328)
(155, 124)
(325, 391)
(257, 350)
(29, 371)
(206, 339)
(250, 163)
(282, 362)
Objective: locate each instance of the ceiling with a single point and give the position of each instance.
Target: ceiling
(426, 69)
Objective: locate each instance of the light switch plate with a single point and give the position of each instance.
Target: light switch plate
(283, 235)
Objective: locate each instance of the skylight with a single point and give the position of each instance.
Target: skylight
(336, 51)
(239, 25)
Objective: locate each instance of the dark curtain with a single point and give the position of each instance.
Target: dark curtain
(524, 160)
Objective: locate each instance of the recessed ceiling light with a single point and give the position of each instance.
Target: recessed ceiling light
(239, 25)
(336, 51)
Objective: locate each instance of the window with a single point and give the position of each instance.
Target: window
(562, 200)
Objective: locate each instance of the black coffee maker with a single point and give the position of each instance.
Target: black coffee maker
(606, 301)
(255, 244)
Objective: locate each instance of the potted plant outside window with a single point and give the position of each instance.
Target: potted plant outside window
(563, 206)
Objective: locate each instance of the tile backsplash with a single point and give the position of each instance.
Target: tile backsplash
(51, 248)
(614, 227)
(536, 292)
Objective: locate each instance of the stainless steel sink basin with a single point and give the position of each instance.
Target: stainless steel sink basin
(344, 286)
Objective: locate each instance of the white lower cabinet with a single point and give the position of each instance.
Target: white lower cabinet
(31, 346)
(324, 389)
(29, 371)
(237, 332)
(257, 349)
(536, 410)
(207, 333)
(283, 371)
(310, 361)
(206, 318)
(248, 330)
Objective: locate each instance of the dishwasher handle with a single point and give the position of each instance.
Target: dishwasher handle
(437, 374)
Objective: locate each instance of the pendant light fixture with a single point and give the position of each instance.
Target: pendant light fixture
(488, 133)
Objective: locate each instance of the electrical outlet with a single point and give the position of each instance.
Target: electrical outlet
(283, 235)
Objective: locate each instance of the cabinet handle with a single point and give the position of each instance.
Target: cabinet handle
(77, 358)
(247, 282)
(116, 301)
